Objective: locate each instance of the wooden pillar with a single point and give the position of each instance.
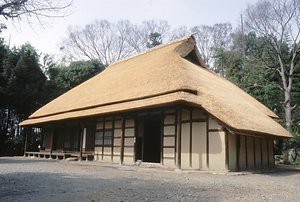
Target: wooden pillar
(254, 152)
(102, 149)
(179, 138)
(273, 147)
(207, 141)
(64, 138)
(268, 153)
(26, 138)
(191, 138)
(162, 138)
(226, 151)
(238, 147)
(122, 140)
(112, 139)
(42, 139)
(81, 140)
(246, 151)
(51, 141)
(261, 154)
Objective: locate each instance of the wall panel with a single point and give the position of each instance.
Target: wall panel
(185, 146)
(199, 145)
(217, 151)
(250, 152)
(264, 152)
(232, 152)
(271, 153)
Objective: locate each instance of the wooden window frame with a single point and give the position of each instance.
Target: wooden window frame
(104, 131)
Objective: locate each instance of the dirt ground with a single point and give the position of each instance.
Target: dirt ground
(32, 179)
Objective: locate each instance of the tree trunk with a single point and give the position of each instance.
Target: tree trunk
(288, 110)
(287, 87)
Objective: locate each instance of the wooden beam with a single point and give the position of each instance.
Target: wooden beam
(122, 140)
(179, 137)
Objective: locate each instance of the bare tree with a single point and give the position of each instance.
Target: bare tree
(109, 42)
(101, 40)
(140, 34)
(211, 37)
(26, 9)
(180, 32)
(278, 23)
(208, 38)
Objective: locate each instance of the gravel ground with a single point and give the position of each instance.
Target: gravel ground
(32, 179)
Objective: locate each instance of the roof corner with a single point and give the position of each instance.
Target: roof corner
(188, 50)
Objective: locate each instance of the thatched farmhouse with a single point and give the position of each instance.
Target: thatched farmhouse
(161, 106)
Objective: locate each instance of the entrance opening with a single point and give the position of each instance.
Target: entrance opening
(149, 141)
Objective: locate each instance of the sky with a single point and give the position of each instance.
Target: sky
(47, 38)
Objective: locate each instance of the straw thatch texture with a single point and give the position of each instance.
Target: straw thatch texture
(164, 75)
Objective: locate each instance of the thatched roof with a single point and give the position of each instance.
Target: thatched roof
(167, 74)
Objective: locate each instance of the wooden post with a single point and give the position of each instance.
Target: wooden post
(179, 138)
(207, 141)
(64, 138)
(238, 147)
(162, 139)
(112, 139)
(191, 138)
(261, 154)
(42, 139)
(102, 149)
(254, 152)
(246, 151)
(226, 151)
(122, 139)
(268, 152)
(51, 142)
(81, 140)
(26, 138)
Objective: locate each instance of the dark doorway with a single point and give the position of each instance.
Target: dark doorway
(149, 141)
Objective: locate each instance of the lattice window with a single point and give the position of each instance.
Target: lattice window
(103, 137)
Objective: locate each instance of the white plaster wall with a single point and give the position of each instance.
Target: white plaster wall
(217, 151)
(199, 145)
(185, 145)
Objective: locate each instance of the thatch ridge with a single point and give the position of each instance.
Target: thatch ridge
(153, 49)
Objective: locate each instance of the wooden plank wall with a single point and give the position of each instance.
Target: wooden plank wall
(253, 152)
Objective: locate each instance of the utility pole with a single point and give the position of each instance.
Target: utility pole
(243, 39)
